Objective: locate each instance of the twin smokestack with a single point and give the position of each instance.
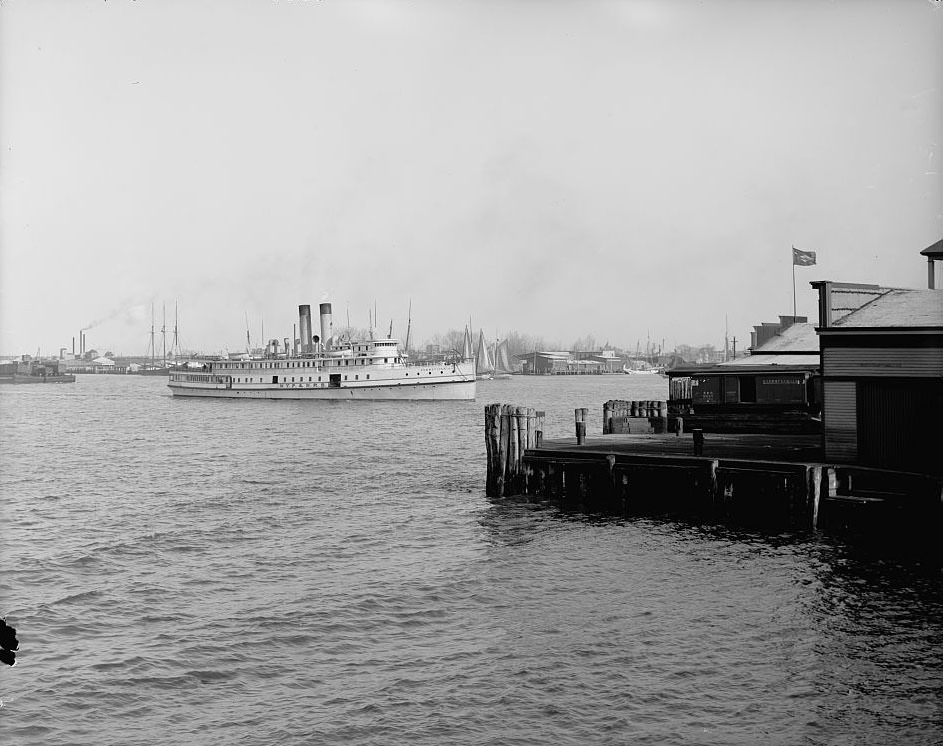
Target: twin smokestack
(310, 343)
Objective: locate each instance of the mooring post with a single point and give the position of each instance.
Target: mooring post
(539, 429)
(489, 451)
(606, 417)
(698, 434)
(580, 415)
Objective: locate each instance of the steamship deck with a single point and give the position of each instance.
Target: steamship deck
(320, 367)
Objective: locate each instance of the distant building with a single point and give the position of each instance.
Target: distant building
(882, 374)
(564, 362)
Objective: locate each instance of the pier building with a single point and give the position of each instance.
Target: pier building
(773, 389)
(882, 379)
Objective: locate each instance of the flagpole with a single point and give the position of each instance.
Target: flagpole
(793, 283)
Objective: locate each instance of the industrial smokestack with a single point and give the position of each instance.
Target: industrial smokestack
(304, 324)
(73, 346)
(327, 325)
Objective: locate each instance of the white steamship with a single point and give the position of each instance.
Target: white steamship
(321, 367)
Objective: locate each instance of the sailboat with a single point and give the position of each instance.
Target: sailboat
(467, 352)
(502, 365)
(484, 366)
(641, 365)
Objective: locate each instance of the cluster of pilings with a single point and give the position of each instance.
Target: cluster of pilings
(635, 416)
(509, 431)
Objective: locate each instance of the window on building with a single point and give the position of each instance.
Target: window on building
(748, 389)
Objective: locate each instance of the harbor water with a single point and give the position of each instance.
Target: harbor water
(255, 572)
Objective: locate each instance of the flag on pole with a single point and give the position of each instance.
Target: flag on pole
(802, 258)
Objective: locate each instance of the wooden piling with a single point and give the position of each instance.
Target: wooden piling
(489, 451)
(503, 435)
(698, 434)
(580, 416)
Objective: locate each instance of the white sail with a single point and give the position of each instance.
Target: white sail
(502, 365)
(484, 367)
(467, 352)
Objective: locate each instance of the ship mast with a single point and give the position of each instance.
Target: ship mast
(248, 340)
(409, 324)
(175, 347)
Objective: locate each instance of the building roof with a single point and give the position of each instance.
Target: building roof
(796, 339)
(897, 308)
(847, 298)
(766, 361)
(934, 250)
(752, 365)
(553, 355)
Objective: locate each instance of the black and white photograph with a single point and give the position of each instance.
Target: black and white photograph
(471, 372)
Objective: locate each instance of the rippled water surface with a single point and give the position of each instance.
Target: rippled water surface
(216, 572)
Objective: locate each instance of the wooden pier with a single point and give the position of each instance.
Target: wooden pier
(771, 480)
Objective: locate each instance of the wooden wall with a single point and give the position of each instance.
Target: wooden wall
(840, 419)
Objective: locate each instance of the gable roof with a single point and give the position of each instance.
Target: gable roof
(898, 308)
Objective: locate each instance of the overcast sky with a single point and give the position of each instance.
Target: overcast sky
(558, 168)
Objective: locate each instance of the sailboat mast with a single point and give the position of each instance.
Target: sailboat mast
(163, 333)
(153, 346)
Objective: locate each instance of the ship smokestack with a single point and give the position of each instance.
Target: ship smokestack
(304, 323)
(327, 326)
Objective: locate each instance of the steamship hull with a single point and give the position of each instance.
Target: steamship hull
(458, 390)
